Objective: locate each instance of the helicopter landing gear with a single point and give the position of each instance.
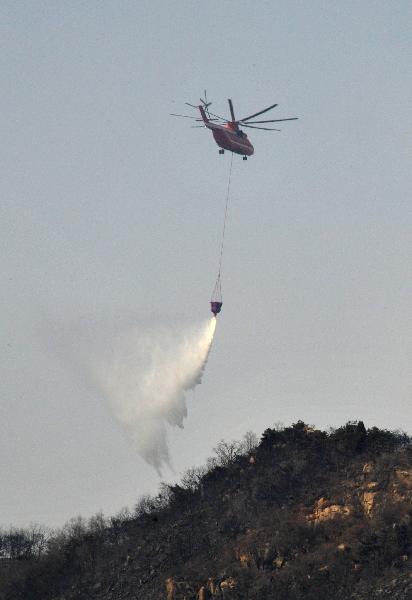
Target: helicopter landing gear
(245, 158)
(221, 151)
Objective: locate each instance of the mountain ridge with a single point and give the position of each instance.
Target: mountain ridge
(303, 513)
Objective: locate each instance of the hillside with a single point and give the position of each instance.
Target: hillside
(306, 514)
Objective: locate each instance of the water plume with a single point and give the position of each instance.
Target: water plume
(145, 379)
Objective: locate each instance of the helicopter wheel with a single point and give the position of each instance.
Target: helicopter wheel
(221, 151)
(245, 158)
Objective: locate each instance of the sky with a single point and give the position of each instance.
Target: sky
(111, 214)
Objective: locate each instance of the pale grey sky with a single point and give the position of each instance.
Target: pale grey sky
(111, 211)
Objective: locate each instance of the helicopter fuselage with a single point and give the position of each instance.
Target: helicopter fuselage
(229, 136)
(234, 140)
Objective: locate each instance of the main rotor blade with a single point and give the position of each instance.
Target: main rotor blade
(259, 113)
(275, 120)
(185, 116)
(263, 128)
(188, 117)
(232, 112)
(208, 112)
(217, 116)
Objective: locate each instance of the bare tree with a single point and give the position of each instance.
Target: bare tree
(19, 543)
(249, 442)
(192, 477)
(97, 523)
(39, 536)
(226, 452)
(145, 505)
(162, 500)
(211, 463)
(75, 528)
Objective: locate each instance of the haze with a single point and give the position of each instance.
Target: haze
(111, 212)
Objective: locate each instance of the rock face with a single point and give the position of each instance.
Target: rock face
(404, 476)
(367, 469)
(325, 510)
(368, 500)
(315, 516)
(203, 594)
(170, 588)
(228, 584)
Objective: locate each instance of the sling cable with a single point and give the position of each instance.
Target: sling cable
(216, 300)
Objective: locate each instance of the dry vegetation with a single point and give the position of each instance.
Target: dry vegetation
(302, 514)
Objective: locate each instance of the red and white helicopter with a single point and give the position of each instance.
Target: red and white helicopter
(227, 133)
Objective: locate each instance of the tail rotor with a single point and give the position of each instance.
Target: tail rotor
(206, 104)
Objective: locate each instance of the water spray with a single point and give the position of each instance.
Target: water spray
(146, 379)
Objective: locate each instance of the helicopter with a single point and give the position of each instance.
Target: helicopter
(227, 132)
